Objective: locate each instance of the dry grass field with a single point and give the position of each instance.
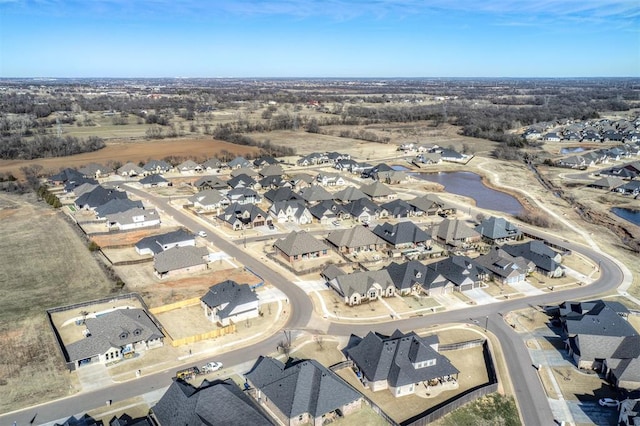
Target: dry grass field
(44, 264)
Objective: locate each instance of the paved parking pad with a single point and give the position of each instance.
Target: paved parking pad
(526, 288)
(480, 296)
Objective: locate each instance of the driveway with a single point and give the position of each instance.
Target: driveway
(526, 289)
(480, 297)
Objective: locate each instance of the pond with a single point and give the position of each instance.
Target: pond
(470, 185)
(629, 215)
(400, 168)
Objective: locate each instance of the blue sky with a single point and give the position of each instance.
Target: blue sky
(319, 38)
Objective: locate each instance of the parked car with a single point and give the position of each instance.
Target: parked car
(212, 366)
(608, 402)
(271, 226)
(202, 234)
(335, 223)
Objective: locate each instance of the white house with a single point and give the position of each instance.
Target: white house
(229, 302)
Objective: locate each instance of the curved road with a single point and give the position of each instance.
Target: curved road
(528, 390)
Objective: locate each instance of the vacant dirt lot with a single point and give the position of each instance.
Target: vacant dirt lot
(123, 152)
(44, 264)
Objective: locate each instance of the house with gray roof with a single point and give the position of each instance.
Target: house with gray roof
(498, 230)
(242, 181)
(302, 391)
(291, 211)
(431, 205)
(348, 194)
(378, 191)
(113, 336)
(546, 259)
(158, 243)
(189, 167)
(355, 240)
(212, 164)
(364, 210)
(238, 162)
(413, 277)
(401, 363)
(300, 245)
(244, 216)
(180, 260)
(607, 183)
(330, 179)
(365, 286)
(402, 235)
(461, 271)
(157, 166)
(243, 196)
(130, 169)
(97, 197)
(95, 170)
(244, 171)
(315, 194)
(271, 170)
(274, 182)
(210, 182)
(455, 233)
(209, 199)
(328, 211)
(116, 205)
(134, 218)
(398, 208)
(154, 181)
(229, 302)
(219, 402)
(504, 268)
(281, 194)
(264, 160)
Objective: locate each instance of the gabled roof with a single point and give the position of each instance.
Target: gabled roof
(208, 197)
(358, 236)
(179, 258)
(131, 215)
(314, 193)
(606, 322)
(244, 171)
(212, 403)
(297, 207)
(99, 196)
(460, 270)
(450, 230)
(357, 207)
(212, 163)
(327, 208)
(537, 252)
(114, 329)
(228, 295)
(241, 181)
(281, 194)
(377, 189)
(67, 175)
(392, 358)
(401, 233)
(496, 228)
(245, 213)
(92, 169)
(213, 182)
(153, 179)
(155, 243)
(161, 165)
(430, 203)
(242, 193)
(502, 264)
(361, 282)
(239, 162)
(350, 193)
(117, 205)
(397, 208)
(301, 386)
(131, 168)
(272, 170)
(298, 243)
(264, 160)
(608, 182)
(188, 165)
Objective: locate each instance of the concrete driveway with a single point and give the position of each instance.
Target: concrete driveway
(480, 297)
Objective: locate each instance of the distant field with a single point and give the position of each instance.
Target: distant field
(44, 264)
(199, 149)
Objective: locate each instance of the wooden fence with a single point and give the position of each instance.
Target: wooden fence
(204, 336)
(176, 305)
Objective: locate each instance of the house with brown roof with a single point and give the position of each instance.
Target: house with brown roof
(300, 245)
(378, 191)
(455, 233)
(180, 260)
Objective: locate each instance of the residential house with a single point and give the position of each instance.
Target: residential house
(212, 165)
(157, 167)
(219, 402)
(242, 181)
(238, 162)
(301, 391)
(281, 194)
(113, 336)
(327, 211)
(413, 277)
(453, 156)
(159, 243)
(95, 170)
(313, 159)
(180, 260)
(427, 158)
(398, 208)
(378, 191)
(334, 157)
(244, 216)
(573, 162)
(355, 240)
(330, 179)
(630, 188)
(134, 218)
(504, 268)
(229, 302)
(274, 182)
(401, 363)
(455, 233)
(461, 271)
(77, 191)
(271, 170)
(348, 194)
(291, 211)
(608, 183)
(392, 177)
(243, 196)
(403, 235)
(154, 181)
(431, 205)
(315, 194)
(300, 181)
(300, 245)
(552, 137)
(244, 171)
(546, 259)
(209, 199)
(498, 230)
(365, 286)
(116, 205)
(264, 160)
(67, 176)
(131, 170)
(210, 182)
(364, 210)
(97, 197)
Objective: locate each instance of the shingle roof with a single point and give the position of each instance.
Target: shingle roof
(537, 252)
(153, 179)
(377, 189)
(272, 170)
(228, 295)
(300, 242)
(361, 282)
(327, 207)
(391, 358)
(241, 181)
(450, 230)
(178, 258)
(301, 386)
(460, 270)
(400, 233)
(281, 194)
(212, 403)
(155, 243)
(397, 208)
(350, 193)
(153, 165)
(496, 228)
(117, 205)
(208, 197)
(99, 196)
(315, 193)
(114, 329)
(127, 217)
(358, 236)
(211, 181)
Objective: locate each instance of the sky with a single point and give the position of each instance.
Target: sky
(320, 38)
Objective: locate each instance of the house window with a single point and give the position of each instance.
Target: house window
(372, 294)
(295, 257)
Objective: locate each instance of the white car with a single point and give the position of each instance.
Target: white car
(202, 234)
(212, 366)
(608, 402)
